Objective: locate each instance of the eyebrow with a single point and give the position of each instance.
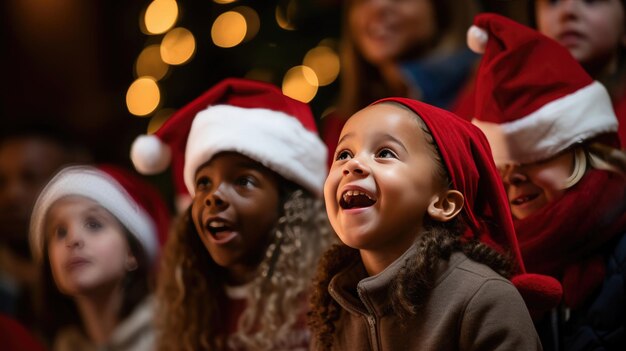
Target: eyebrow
(344, 137)
(395, 140)
(250, 164)
(381, 135)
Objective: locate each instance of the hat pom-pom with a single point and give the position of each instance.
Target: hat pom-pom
(540, 292)
(477, 39)
(150, 155)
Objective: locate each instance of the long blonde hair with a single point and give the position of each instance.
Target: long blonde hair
(597, 156)
(191, 292)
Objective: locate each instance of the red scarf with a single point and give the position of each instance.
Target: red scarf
(566, 239)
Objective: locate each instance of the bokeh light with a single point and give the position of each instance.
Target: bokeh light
(178, 46)
(253, 22)
(143, 96)
(284, 18)
(229, 29)
(149, 63)
(224, 1)
(160, 16)
(325, 62)
(159, 118)
(300, 83)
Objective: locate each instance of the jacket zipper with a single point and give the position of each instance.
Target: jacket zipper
(371, 321)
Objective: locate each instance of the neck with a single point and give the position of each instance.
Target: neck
(99, 313)
(241, 274)
(603, 69)
(377, 261)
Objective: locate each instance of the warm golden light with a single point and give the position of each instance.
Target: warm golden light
(158, 119)
(253, 23)
(224, 1)
(149, 63)
(161, 15)
(325, 62)
(282, 19)
(300, 83)
(143, 96)
(229, 29)
(178, 46)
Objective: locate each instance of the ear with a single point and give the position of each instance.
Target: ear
(446, 205)
(131, 263)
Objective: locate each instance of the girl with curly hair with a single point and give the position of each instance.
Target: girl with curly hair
(238, 267)
(417, 202)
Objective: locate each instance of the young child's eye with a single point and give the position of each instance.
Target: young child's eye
(93, 224)
(386, 153)
(59, 233)
(343, 155)
(202, 183)
(246, 181)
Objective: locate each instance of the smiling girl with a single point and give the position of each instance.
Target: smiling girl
(553, 134)
(238, 267)
(415, 198)
(96, 233)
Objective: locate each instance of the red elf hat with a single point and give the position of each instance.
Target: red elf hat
(136, 204)
(249, 117)
(469, 164)
(533, 99)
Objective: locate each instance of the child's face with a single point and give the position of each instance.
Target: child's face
(591, 30)
(87, 246)
(381, 181)
(235, 207)
(532, 186)
(384, 30)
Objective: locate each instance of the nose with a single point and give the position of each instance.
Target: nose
(513, 175)
(569, 8)
(73, 239)
(216, 199)
(356, 167)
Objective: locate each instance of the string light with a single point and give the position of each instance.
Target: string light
(320, 65)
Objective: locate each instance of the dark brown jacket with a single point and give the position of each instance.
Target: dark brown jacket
(470, 308)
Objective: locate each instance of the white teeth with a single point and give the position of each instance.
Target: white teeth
(216, 224)
(354, 193)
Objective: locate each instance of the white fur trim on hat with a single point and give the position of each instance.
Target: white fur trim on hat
(477, 39)
(552, 128)
(101, 188)
(273, 138)
(150, 155)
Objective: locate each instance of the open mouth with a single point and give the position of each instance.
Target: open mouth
(520, 200)
(219, 229)
(356, 199)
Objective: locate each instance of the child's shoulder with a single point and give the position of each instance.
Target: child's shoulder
(466, 276)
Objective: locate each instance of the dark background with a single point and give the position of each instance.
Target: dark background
(67, 64)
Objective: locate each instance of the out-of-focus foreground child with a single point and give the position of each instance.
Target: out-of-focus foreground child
(237, 270)
(553, 134)
(415, 198)
(96, 232)
(594, 32)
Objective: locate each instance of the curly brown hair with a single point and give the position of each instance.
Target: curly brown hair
(410, 288)
(191, 293)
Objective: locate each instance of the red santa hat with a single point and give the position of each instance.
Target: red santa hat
(137, 205)
(533, 99)
(467, 157)
(244, 116)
